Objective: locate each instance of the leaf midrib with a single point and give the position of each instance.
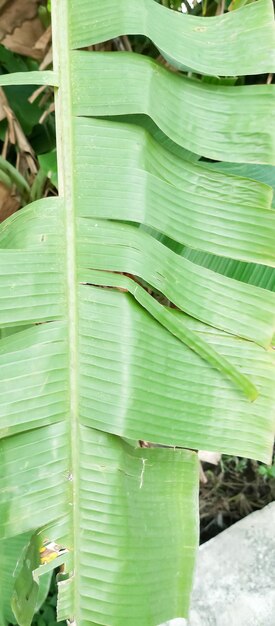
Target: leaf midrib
(64, 140)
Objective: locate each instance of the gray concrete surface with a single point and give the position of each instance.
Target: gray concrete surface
(235, 576)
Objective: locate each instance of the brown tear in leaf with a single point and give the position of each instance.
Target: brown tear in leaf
(9, 202)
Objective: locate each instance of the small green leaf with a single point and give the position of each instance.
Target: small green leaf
(48, 163)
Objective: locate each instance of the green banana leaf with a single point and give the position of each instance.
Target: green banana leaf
(241, 42)
(243, 131)
(185, 205)
(262, 173)
(92, 358)
(252, 273)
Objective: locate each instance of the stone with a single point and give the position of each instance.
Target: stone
(235, 576)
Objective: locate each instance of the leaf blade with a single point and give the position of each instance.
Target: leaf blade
(214, 46)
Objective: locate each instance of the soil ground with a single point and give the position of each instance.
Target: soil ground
(234, 488)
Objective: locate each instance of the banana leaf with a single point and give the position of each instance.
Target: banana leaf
(120, 357)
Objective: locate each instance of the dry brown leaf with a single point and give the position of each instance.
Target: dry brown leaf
(3, 3)
(209, 457)
(4, 152)
(43, 42)
(14, 13)
(23, 39)
(48, 59)
(160, 59)
(20, 27)
(26, 155)
(37, 93)
(203, 478)
(9, 202)
(3, 103)
(106, 46)
(50, 109)
(26, 152)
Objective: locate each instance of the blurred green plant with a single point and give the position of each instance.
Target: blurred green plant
(267, 471)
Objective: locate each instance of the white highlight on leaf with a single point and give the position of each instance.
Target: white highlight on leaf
(142, 473)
